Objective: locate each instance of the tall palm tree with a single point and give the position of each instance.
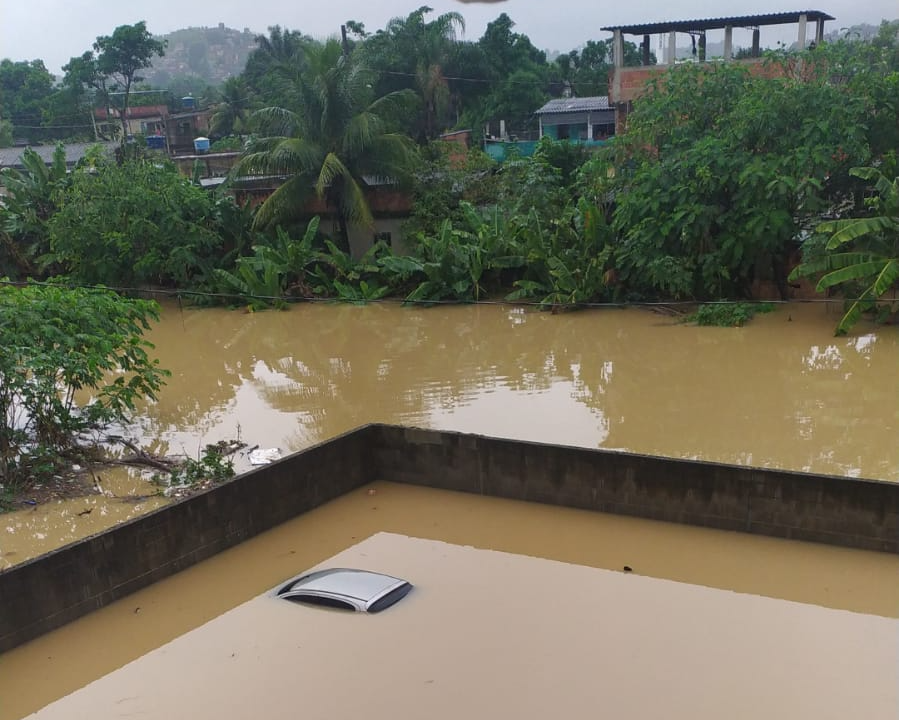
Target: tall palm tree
(423, 48)
(330, 138)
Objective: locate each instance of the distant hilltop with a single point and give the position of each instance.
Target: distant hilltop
(211, 53)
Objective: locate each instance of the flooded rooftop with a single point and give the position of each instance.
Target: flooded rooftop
(732, 610)
(494, 634)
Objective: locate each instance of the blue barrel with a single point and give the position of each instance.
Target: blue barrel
(201, 144)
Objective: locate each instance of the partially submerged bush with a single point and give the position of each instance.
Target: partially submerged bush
(57, 342)
(727, 314)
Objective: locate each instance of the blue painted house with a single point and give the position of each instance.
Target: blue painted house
(587, 121)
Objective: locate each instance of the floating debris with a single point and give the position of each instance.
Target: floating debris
(264, 456)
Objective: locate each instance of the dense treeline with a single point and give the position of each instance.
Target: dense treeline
(720, 182)
(459, 82)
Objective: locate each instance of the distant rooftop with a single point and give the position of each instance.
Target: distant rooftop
(583, 104)
(749, 21)
(12, 156)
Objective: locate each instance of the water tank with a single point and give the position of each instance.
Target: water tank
(201, 144)
(188, 103)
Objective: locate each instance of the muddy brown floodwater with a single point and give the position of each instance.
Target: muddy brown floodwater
(781, 392)
(798, 581)
(494, 634)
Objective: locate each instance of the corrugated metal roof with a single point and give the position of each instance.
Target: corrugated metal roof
(12, 157)
(566, 105)
(782, 18)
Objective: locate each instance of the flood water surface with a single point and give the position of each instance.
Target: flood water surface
(492, 634)
(781, 392)
(806, 577)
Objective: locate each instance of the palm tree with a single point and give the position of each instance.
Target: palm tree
(328, 138)
(232, 110)
(870, 265)
(424, 48)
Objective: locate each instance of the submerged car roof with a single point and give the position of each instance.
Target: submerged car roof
(360, 588)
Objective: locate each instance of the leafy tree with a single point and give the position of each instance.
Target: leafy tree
(25, 87)
(729, 169)
(115, 62)
(138, 223)
(328, 137)
(56, 343)
(518, 74)
(862, 253)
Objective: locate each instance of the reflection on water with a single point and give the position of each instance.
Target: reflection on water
(781, 392)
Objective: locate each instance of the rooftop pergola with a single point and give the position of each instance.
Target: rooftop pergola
(698, 28)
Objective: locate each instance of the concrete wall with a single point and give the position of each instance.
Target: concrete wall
(47, 592)
(852, 513)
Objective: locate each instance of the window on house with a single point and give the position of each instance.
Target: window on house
(562, 132)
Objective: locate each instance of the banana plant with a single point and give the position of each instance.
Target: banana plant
(862, 253)
(30, 199)
(264, 278)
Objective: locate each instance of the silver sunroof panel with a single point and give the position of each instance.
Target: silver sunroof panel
(362, 590)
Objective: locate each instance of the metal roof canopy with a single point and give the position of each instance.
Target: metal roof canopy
(783, 18)
(575, 105)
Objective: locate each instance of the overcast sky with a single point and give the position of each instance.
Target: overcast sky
(56, 30)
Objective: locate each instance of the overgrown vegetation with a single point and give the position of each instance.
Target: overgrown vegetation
(74, 361)
(727, 314)
(212, 467)
(861, 254)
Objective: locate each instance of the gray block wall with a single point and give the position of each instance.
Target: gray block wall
(47, 592)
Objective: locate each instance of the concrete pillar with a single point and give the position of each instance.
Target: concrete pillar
(540, 125)
(755, 43)
(803, 20)
(589, 125)
(702, 46)
(618, 49)
(672, 48)
(646, 49)
(728, 43)
(819, 31)
(502, 129)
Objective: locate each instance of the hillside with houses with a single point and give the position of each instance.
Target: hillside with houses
(211, 53)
